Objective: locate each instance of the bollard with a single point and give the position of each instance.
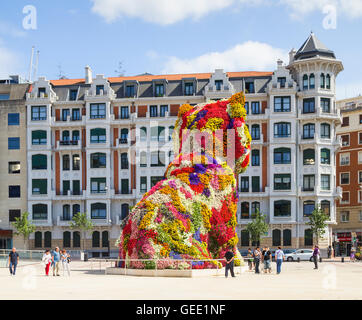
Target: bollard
(298, 259)
(342, 259)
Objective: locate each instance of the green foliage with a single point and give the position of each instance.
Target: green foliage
(150, 264)
(317, 222)
(23, 226)
(81, 222)
(258, 226)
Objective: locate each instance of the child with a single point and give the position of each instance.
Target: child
(47, 260)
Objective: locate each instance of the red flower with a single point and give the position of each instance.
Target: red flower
(197, 188)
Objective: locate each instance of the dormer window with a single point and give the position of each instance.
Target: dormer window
(99, 88)
(41, 91)
(73, 94)
(249, 87)
(282, 81)
(218, 84)
(189, 88)
(130, 91)
(159, 90)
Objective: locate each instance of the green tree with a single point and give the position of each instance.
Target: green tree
(257, 226)
(23, 227)
(317, 223)
(81, 222)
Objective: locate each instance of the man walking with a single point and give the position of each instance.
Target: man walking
(316, 254)
(56, 261)
(279, 258)
(229, 258)
(13, 261)
(257, 257)
(267, 259)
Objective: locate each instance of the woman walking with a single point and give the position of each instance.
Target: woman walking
(65, 257)
(47, 260)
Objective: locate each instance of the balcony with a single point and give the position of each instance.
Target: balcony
(69, 122)
(69, 195)
(251, 194)
(100, 95)
(68, 145)
(258, 116)
(61, 222)
(123, 143)
(122, 194)
(101, 222)
(42, 97)
(42, 223)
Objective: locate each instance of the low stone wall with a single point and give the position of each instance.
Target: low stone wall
(164, 272)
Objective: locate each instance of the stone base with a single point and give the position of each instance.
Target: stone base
(167, 272)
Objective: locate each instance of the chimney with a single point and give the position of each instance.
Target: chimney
(88, 75)
(291, 55)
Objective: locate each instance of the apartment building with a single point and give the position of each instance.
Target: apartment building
(13, 167)
(97, 144)
(348, 231)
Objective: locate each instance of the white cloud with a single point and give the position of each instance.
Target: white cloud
(249, 55)
(162, 12)
(348, 90)
(9, 63)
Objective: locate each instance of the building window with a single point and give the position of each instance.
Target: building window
(308, 182)
(325, 131)
(155, 180)
(255, 132)
(255, 184)
(344, 159)
(326, 105)
(65, 137)
(305, 82)
(282, 156)
(244, 238)
(345, 197)
(308, 131)
(143, 159)
(98, 185)
(124, 112)
(39, 162)
(311, 81)
(76, 161)
(325, 182)
(287, 237)
(244, 184)
(345, 122)
(99, 89)
(246, 106)
(14, 191)
(359, 156)
(76, 187)
(323, 81)
(282, 208)
(282, 130)
(255, 207)
(255, 107)
(308, 208)
(65, 114)
(47, 239)
(97, 110)
(153, 111)
(328, 81)
(360, 177)
(124, 211)
(38, 241)
(249, 87)
(13, 119)
(360, 138)
(124, 136)
(66, 239)
(143, 184)
(75, 210)
(143, 134)
(245, 210)
(40, 211)
(282, 81)
(158, 159)
(13, 143)
(218, 84)
(255, 158)
(95, 239)
(124, 161)
(14, 167)
(41, 92)
(66, 162)
(39, 137)
(276, 237)
(189, 88)
(75, 136)
(98, 210)
(73, 94)
(325, 156)
(76, 239)
(66, 187)
(39, 186)
(345, 140)
(105, 242)
(161, 134)
(76, 114)
(359, 196)
(160, 90)
(38, 113)
(13, 214)
(360, 119)
(98, 160)
(4, 96)
(98, 135)
(308, 237)
(163, 110)
(344, 216)
(309, 105)
(170, 132)
(282, 182)
(344, 178)
(66, 212)
(326, 207)
(281, 104)
(308, 157)
(130, 91)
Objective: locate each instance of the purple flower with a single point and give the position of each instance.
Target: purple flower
(199, 168)
(196, 235)
(231, 124)
(194, 179)
(206, 192)
(172, 184)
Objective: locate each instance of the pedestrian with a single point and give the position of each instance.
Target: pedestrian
(13, 261)
(257, 257)
(65, 257)
(267, 259)
(47, 260)
(329, 251)
(250, 257)
(279, 258)
(352, 255)
(229, 258)
(316, 254)
(56, 261)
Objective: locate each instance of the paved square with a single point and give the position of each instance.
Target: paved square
(333, 280)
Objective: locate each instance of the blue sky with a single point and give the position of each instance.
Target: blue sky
(159, 36)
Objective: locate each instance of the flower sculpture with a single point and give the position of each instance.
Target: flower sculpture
(191, 213)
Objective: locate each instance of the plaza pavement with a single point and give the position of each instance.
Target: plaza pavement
(333, 280)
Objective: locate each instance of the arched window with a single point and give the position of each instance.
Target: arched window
(325, 131)
(255, 206)
(39, 137)
(76, 239)
(38, 240)
(65, 136)
(143, 159)
(311, 81)
(124, 161)
(66, 212)
(47, 239)
(124, 210)
(154, 133)
(323, 81)
(40, 211)
(143, 134)
(66, 162)
(161, 134)
(245, 210)
(95, 239)
(305, 82)
(66, 239)
(287, 237)
(308, 237)
(170, 155)
(276, 236)
(105, 239)
(326, 207)
(255, 132)
(308, 208)
(76, 209)
(308, 157)
(170, 132)
(244, 238)
(39, 162)
(98, 210)
(76, 162)
(328, 81)
(124, 136)
(325, 156)
(308, 131)
(282, 129)
(282, 156)
(98, 135)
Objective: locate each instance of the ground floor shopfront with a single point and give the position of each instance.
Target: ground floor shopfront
(345, 240)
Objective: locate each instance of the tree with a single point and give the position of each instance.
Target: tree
(81, 222)
(23, 227)
(257, 227)
(317, 222)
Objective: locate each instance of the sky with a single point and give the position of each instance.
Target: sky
(175, 36)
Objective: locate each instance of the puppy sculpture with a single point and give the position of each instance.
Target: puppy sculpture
(191, 214)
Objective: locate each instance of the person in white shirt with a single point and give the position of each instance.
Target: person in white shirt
(279, 258)
(47, 260)
(65, 258)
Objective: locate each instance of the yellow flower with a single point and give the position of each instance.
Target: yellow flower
(183, 109)
(206, 215)
(213, 124)
(237, 98)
